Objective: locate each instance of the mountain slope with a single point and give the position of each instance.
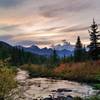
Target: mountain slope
(48, 51)
(5, 50)
(18, 56)
(64, 46)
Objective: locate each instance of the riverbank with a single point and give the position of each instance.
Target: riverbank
(31, 89)
(86, 72)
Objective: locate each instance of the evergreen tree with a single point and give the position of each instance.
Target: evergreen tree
(94, 47)
(64, 59)
(85, 54)
(78, 52)
(54, 58)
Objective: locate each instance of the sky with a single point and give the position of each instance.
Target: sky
(47, 22)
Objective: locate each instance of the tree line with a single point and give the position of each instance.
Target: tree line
(93, 53)
(16, 56)
(82, 53)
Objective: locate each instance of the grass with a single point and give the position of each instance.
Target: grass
(7, 82)
(88, 72)
(37, 70)
(96, 86)
(94, 98)
(83, 72)
(90, 98)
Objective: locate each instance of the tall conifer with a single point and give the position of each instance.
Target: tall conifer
(94, 47)
(78, 52)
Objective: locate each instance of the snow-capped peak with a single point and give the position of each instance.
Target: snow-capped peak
(64, 46)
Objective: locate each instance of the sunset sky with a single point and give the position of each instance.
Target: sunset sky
(46, 22)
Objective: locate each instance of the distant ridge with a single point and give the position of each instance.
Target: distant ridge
(4, 44)
(64, 46)
(16, 55)
(62, 50)
(65, 51)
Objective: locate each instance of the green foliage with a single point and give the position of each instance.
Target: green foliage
(5, 50)
(94, 47)
(20, 57)
(17, 57)
(68, 59)
(7, 82)
(54, 59)
(94, 98)
(77, 98)
(37, 70)
(80, 53)
(90, 98)
(96, 86)
(83, 72)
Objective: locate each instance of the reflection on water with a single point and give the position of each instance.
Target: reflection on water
(43, 87)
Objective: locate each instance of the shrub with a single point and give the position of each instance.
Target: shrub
(37, 70)
(7, 82)
(86, 71)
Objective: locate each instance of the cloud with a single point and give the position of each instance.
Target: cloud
(76, 28)
(8, 27)
(9, 3)
(60, 7)
(5, 37)
(50, 29)
(27, 43)
(44, 21)
(11, 29)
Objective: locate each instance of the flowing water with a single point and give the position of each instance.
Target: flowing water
(30, 89)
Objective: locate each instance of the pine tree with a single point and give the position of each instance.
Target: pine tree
(94, 47)
(54, 58)
(64, 59)
(85, 54)
(78, 52)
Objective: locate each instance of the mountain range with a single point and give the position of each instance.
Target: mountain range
(65, 49)
(61, 50)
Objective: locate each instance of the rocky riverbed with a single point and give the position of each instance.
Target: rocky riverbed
(39, 88)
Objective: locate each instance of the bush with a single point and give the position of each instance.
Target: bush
(7, 82)
(94, 98)
(85, 72)
(78, 98)
(37, 70)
